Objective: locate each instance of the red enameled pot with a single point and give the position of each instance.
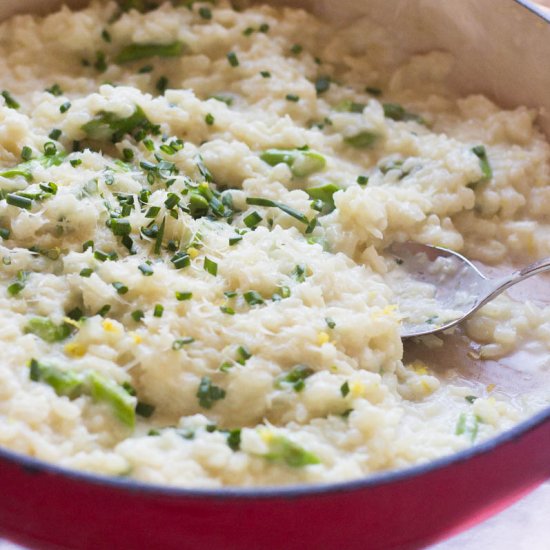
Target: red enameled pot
(44, 506)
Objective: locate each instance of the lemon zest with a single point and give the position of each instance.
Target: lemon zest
(322, 338)
(193, 252)
(75, 349)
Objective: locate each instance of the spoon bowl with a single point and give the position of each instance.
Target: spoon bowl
(459, 288)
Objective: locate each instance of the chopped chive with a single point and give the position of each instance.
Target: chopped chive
(75, 162)
(146, 69)
(248, 31)
(362, 180)
(226, 366)
(296, 49)
(264, 27)
(470, 398)
(252, 220)
(253, 298)
(162, 84)
(86, 272)
(86, 245)
(234, 240)
(210, 266)
(295, 378)
(322, 84)
(243, 355)
(9, 100)
(299, 273)
(480, 152)
(65, 107)
(348, 106)
(146, 269)
(180, 342)
(292, 97)
(158, 311)
(105, 35)
(209, 119)
(144, 409)
(208, 393)
(4, 233)
(55, 134)
(17, 200)
(26, 153)
(330, 322)
(399, 113)
(228, 310)
(373, 91)
(149, 145)
(344, 389)
(234, 439)
(182, 296)
(265, 74)
(100, 63)
(127, 154)
(55, 90)
(181, 260)
(104, 256)
(205, 13)
(159, 237)
(120, 226)
(233, 59)
(259, 201)
(121, 288)
(104, 310)
(137, 315)
(152, 212)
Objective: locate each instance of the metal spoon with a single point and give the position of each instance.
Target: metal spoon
(459, 287)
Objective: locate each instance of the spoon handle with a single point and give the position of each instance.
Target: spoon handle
(540, 266)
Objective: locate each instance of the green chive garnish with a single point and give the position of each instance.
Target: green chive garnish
(9, 100)
(181, 260)
(233, 59)
(252, 220)
(120, 226)
(158, 311)
(146, 269)
(210, 266)
(259, 201)
(208, 393)
(253, 298)
(17, 200)
(137, 315)
(180, 342)
(121, 288)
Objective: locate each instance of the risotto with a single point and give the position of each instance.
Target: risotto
(196, 206)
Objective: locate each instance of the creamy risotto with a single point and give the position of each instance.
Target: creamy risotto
(196, 204)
